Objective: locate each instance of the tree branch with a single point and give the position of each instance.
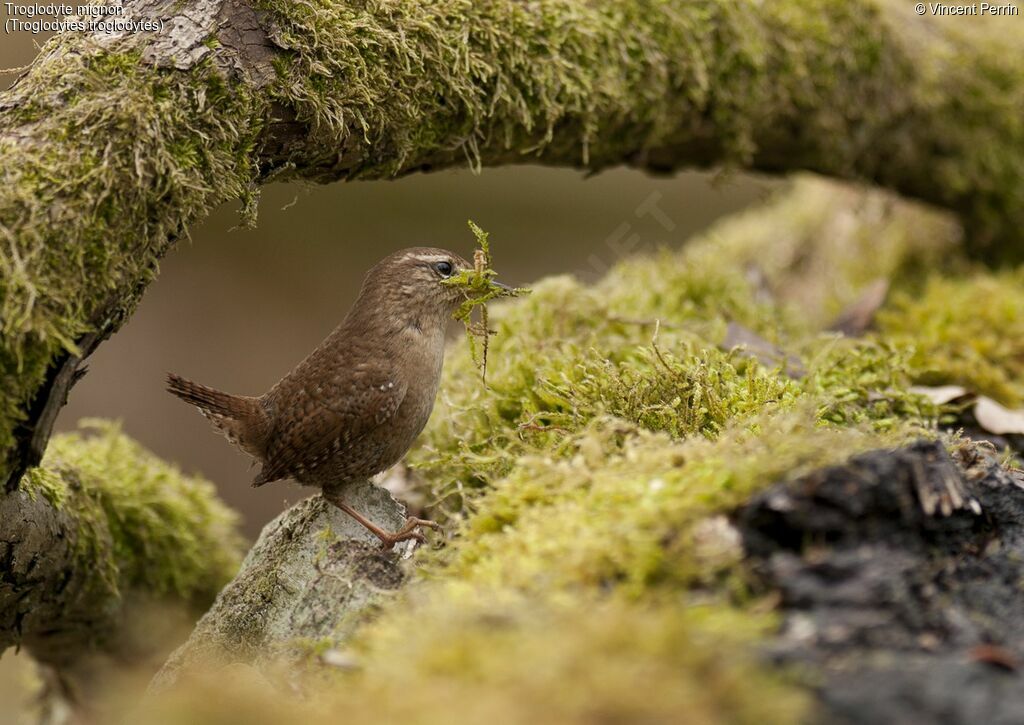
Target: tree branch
(101, 521)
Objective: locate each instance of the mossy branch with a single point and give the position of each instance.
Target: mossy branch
(100, 522)
(112, 145)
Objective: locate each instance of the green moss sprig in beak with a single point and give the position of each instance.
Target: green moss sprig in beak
(478, 288)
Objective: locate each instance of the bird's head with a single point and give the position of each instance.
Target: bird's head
(418, 286)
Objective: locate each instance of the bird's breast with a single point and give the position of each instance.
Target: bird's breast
(422, 392)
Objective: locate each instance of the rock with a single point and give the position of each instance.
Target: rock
(309, 576)
(890, 599)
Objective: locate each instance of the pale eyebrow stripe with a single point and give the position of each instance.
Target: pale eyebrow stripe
(428, 257)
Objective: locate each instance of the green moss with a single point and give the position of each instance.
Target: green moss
(771, 85)
(591, 84)
(168, 534)
(477, 286)
(622, 510)
(580, 660)
(972, 128)
(104, 161)
(967, 331)
(866, 381)
(46, 483)
(571, 354)
(699, 393)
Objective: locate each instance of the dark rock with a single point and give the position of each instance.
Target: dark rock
(900, 574)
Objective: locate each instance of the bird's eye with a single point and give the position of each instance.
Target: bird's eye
(444, 269)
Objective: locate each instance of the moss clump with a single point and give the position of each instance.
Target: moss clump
(571, 354)
(582, 660)
(478, 287)
(169, 534)
(622, 509)
(968, 331)
(47, 483)
(477, 284)
(866, 381)
(697, 393)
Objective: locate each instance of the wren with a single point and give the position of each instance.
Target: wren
(355, 405)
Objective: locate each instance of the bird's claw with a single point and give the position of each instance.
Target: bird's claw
(409, 531)
(425, 522)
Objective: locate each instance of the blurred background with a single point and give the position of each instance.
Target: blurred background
(237, 308)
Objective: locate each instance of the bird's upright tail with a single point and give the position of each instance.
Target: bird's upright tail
(209, 400)
(239, 417)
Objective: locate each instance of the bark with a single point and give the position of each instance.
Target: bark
(899, 583)
(99, 538)
(46, 602)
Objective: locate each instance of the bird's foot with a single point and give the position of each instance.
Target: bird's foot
(387, 539)
(410, 530)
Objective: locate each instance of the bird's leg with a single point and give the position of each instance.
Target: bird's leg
(387, 539)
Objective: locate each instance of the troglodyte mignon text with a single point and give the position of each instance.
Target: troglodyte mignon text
(354, 406)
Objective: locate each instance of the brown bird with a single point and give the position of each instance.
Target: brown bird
(354, 406)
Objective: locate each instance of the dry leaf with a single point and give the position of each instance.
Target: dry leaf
(994, 418)
(940, 394)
